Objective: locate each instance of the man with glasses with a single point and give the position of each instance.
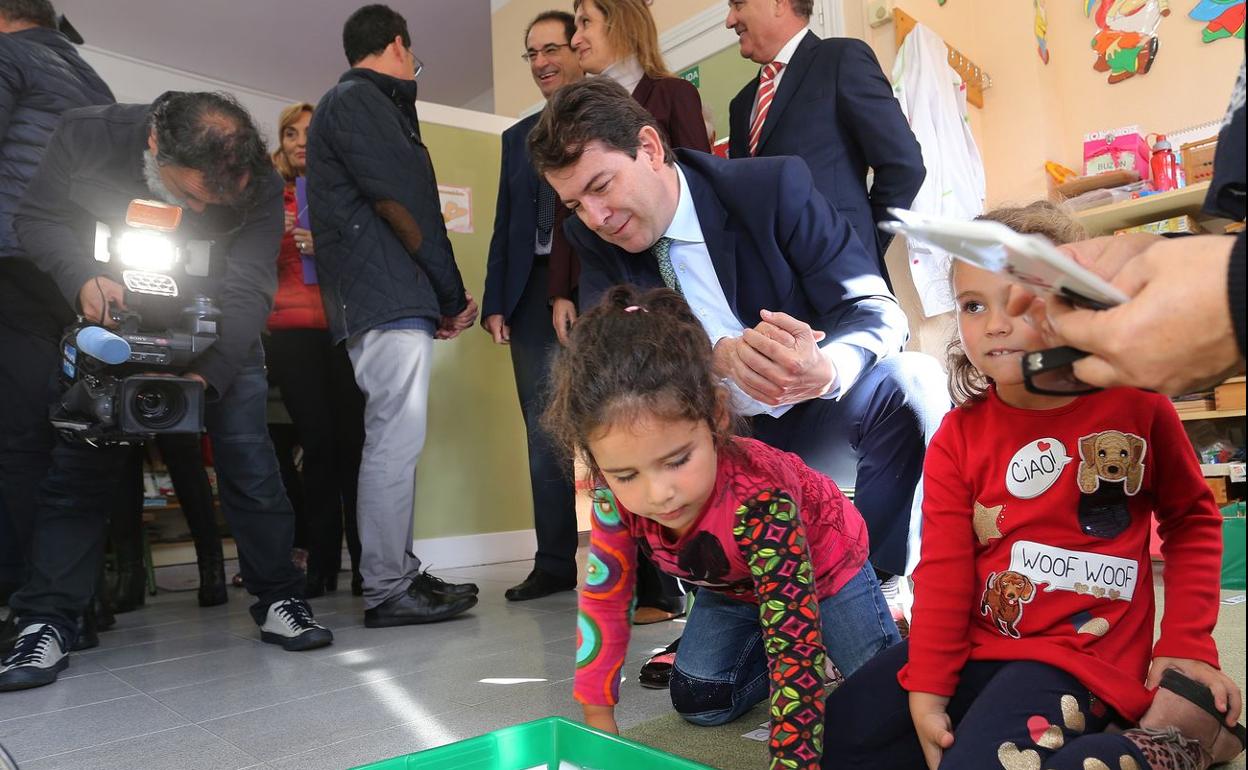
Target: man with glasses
(391, 287)
(516, 312)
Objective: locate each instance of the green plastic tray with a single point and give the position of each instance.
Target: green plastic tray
(541, 744)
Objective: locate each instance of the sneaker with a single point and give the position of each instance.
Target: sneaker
(1167, 748)
(290, 624)
(1188, 706)
(36, 659)
(897, 595)
(426, 583)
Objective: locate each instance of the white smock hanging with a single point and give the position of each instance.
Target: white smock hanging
(933, 98)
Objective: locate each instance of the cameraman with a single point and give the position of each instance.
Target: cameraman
(200, 151)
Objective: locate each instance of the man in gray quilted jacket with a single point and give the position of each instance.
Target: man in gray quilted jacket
(391, 287)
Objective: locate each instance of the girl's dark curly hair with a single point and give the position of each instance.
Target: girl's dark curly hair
(636, 353)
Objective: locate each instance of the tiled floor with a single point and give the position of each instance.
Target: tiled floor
(176, 686)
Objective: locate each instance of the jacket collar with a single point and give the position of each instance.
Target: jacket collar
(400, 91)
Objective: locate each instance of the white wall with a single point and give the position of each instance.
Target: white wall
(140, 82)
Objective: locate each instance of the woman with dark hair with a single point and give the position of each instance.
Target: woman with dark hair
(315, 378)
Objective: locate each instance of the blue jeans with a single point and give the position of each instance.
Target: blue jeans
(872, 440)
(721, 666)
(78, 491)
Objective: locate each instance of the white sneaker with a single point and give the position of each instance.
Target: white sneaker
(36, 659)
(290, 624)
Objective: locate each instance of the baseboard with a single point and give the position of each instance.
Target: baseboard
(471, 550)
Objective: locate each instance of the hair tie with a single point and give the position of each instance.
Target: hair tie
(635, 308)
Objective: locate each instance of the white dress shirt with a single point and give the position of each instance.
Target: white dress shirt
(784, 57)
(691, 260)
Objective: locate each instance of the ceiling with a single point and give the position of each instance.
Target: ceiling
(291, 48)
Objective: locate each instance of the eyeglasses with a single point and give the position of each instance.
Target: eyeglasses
(417, 64)
(547, 50)
(1051, 372)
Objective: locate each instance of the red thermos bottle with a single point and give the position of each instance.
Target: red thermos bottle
(1164, 170)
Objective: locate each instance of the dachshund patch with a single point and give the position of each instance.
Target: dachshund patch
(1111, 469)
(1005, 593)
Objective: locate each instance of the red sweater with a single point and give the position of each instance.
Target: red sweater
(297, 305)
(1035, 544)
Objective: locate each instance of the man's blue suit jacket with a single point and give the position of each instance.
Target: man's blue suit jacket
(515, 225)
(776, 244)
(836, 111)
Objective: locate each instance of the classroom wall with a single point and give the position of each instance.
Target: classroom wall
(473, 477)
(722, 75)
(514, 90)
(1036, 112)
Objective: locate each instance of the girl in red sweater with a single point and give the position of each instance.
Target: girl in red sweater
(1033, 618)
(779, 553)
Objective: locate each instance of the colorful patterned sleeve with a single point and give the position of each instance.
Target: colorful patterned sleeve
(602, 626)
(773, 540)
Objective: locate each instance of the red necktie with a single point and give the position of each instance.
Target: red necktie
(766, 91)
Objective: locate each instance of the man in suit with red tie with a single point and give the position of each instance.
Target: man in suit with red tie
(827, 102)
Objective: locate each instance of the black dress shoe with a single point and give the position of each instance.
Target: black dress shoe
(426, 583)
(212, 581)
(8, 632)
(88, 631)
(537, 585)
(413, 606)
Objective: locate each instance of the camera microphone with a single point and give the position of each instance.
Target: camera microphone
(100, 343)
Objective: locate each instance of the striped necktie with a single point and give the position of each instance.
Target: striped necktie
(766, 92)
(662, 250)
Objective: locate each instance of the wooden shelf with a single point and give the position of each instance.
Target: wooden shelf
(1104, 220)
(1211, 414)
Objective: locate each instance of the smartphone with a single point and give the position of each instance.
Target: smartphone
(1031, 260)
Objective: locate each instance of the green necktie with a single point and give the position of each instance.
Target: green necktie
(662, 254)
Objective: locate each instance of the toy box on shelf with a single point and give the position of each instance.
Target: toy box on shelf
(1117, 149)
(1184, 223)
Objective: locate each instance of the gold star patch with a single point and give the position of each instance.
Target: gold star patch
(985, 522)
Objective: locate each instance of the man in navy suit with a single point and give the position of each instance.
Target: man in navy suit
(806, 334)
(515, 309)
(827, 102)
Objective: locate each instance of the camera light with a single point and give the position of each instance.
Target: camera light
(146, 250)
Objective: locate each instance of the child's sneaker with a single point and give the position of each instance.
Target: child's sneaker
(1186, 705)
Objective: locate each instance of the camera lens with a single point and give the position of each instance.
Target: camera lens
(159, 405)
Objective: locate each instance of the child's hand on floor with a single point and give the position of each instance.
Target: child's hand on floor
(932, 724)
(1226, 694)
(601, 718)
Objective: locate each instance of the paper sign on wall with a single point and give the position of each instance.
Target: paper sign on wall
(456, 205)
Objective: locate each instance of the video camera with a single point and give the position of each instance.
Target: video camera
(121, 385)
